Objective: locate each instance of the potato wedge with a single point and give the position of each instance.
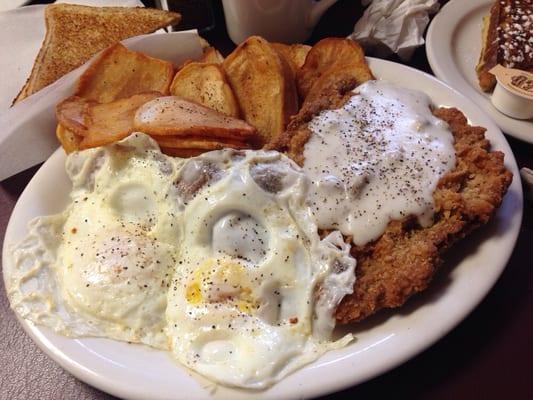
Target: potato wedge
(100, 124)
(119, 73)
(68, 139)
(198, 142)
(263, 84)
(73, 114)
(182, 153)
(336, 79)
(212, 56)
(206, 84)
(174, 116)
(190, 147)
(295, 54)
(325, 54)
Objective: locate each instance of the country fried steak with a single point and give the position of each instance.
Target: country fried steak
(404, 259)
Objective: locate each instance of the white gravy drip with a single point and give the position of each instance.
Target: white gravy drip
(376, 159)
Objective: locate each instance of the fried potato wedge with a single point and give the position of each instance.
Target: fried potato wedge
(325, 54)
(174, 116)
(119, 73)
(68, 139)
(212, 55)
(182, 153)
(295, 54)
(262, 81)
(179, 146)
(206, 84)
(335, 79)
(73, 114)
(198, 142)
(100, 124)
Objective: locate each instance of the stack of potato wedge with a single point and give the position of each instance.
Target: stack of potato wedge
(242, 101)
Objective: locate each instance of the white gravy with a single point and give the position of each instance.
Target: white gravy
(376, 159)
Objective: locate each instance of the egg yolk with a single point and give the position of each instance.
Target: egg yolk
(221, 280)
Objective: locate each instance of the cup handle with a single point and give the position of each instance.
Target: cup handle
(317, 9)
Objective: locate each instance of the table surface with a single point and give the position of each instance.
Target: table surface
(488, 356)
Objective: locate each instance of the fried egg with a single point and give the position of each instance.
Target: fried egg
(102, 267)
(255, 289)
(216, 258)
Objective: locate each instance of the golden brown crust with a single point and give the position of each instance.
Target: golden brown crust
(404, 259)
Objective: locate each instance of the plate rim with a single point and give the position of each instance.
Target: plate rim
(110, 386)
(439, 53)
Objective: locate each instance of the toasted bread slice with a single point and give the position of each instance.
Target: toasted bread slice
(212, 55)
(119, 73)
(295, 54)
(100, 124)
(263, 84)
(328, 53)
(75, 33)
(174, 116)
(206, 84)
(507, 39)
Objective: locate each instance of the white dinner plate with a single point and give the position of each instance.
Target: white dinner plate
(383, 342)
(453, 44)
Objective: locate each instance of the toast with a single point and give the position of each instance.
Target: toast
(75, 33)
(507, 39)
(264, 85)
(206, 84)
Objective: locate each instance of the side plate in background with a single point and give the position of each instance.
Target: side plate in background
(453, 44)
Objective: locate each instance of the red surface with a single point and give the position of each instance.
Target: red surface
(488, 356)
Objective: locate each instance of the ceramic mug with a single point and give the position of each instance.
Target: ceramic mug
(286, 21)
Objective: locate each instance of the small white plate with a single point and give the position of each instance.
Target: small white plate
(383, 342)
(453, 44)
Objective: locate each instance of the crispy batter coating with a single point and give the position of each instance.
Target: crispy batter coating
(404, 259)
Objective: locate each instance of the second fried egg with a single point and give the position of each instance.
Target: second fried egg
(254, 291)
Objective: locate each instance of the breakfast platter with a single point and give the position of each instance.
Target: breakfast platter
(274, 219)
(453, 45)
(134, 371)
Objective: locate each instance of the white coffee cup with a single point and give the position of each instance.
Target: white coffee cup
(286, 21)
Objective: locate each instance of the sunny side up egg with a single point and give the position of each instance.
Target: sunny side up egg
(102, 267)
(244, 306)
(216, 258)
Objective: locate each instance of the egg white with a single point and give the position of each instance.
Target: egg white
(216, 258)
(241, 306)
(102, 267)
